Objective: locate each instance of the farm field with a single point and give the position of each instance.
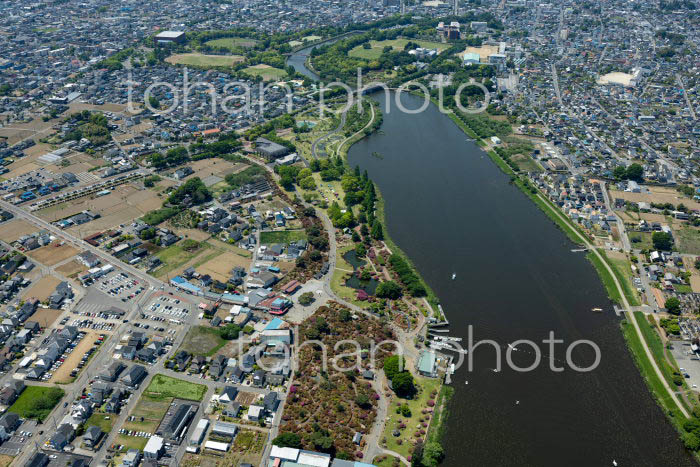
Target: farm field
(396, 44)
(43, 288)
(165, 386)
(281, 236)
(12, 230)
(232, 43)
(37, 402)
(657, 194)
(688, 240)
(202, 60)
(202, 340)
(267, 72)
(52, 253)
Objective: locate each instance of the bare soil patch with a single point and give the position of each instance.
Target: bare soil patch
(62, 375)
(43, 288)
(14, 229)
(52, 254)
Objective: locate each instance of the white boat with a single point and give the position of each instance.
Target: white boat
(454, 275)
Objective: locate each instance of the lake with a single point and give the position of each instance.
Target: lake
(451, 210)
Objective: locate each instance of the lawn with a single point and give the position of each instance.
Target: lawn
(396, 44)
(202, 340)
(172, 387)
(623, 271)
(131, 442)
(267, 72)
(386, 460)
(148, 413)
(232, 43)
(282, 236)
(403, 443)
(98, 419)
(205, 61)
(37, 402)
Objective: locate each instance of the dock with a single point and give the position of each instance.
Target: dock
(579, 250)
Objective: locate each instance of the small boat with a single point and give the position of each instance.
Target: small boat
(512, 347)
(517, 402)
(597, 310)
(454, 275)
(614, 462)
(466, 382)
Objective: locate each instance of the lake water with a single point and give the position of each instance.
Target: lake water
(453, 211)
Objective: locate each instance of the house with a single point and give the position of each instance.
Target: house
(134, 376)
(112, 372)
(92, 436)
(233, 410)
(259, 378)
(132, 458)
(270, 402)
(255, 413)
(62, 437)
(38, 460)
(228, 394)
(218, 365)
(10, 422)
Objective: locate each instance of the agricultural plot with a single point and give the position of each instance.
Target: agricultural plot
(219, 267)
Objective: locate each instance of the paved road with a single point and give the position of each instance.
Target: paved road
(624, 239)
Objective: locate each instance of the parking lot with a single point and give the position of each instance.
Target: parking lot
(688, 362)
(168, 307)
(120, 285)
(19, 438)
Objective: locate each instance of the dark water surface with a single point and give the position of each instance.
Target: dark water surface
(452, 210)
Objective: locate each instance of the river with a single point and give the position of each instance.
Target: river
(452, 210)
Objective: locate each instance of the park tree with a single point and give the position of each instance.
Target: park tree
(403, 385)
(377, 230)
(306, 298)
(432, 454)
(388, 289)
(673, 306)
(393, 365)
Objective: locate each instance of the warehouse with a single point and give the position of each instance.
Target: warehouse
(167, 37)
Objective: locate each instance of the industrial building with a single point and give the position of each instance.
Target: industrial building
(168, 37)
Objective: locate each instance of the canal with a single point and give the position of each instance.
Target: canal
(452, 210)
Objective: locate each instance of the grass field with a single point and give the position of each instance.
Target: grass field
(526, 163)
(98, 419)
(641, 240)
(175, 256)
(202, 340)
(205, 61)
(605, 277)
(267, 72)
(623, 271)
(37, 402)
(232, 43)
(655, 384)
(396, 44)
(418, 403)
(166, 386)
(282, 236)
